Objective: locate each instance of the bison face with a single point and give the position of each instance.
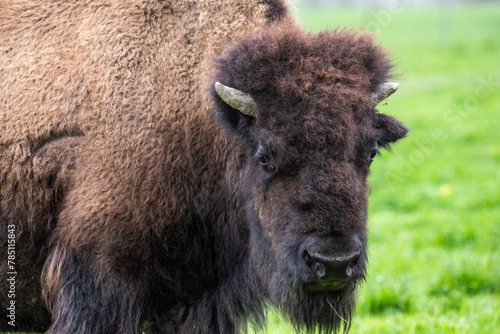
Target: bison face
(303, 107)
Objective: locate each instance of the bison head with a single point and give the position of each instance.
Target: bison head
(301, 108)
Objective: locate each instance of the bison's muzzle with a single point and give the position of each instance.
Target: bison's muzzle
(333, 260)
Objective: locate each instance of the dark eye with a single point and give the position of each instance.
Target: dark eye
(264, 162)
(263, 159)
(374, 152)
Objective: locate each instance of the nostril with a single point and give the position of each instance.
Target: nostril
(352, 264)
(316, 266)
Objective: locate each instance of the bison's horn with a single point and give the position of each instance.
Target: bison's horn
(237, 99)
(385, 90)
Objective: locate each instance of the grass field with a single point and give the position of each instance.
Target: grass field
(434, 250)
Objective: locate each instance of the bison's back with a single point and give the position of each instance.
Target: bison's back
(90, 66)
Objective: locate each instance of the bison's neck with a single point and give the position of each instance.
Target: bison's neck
(215, 235)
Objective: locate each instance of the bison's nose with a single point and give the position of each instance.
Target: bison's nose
(333, 257)
(333, 268)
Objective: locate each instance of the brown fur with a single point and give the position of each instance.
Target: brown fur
(131, 205)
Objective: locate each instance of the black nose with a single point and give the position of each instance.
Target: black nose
(334, 268)
(333, 257)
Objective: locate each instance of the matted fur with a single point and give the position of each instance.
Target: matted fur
(134, 210)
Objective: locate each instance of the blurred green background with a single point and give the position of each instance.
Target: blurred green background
(434, 222)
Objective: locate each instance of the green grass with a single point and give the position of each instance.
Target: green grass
(434, 249)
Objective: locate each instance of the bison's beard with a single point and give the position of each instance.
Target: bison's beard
(308, 311)
(311, 312)
(283, 276)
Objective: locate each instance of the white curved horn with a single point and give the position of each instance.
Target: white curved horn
(384, 91)
(237, 99)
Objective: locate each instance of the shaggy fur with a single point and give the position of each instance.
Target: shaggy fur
(316, 124)
(133, 209)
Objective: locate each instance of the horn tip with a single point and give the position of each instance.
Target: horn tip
(385, 90)
(219, 89)
(394, 85)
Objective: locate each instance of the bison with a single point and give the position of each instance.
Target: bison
(175, 166)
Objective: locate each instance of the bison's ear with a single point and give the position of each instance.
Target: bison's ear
(391, 129)
(237, 110)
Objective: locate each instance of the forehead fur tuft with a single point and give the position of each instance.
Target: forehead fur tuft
(286, 61)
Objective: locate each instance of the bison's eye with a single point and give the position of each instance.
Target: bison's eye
(265, 163)
(263, 159)
(374, 152)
